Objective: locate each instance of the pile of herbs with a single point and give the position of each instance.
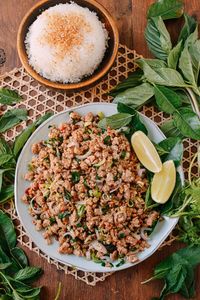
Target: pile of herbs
(16, 275)
(9, 153)
(171, 81)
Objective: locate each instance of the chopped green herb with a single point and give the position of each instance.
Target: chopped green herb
(67, 195)
(115, 178)
(98, 177)
(107, 140)
(81, 210)
(64, 215)
(79, 225)
(122, 262)
(52, 220)
(105, 209)
(123, 154)
(75, 176)
(97, 193)
(121, 235)
(85, 184)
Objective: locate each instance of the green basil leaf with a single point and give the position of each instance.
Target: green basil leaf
(167, 99)
(174, 148)
(189, 27)
(9, 97)
(158, 38)
(22, 138)
(123, 108)
(155, 63)
(191, 254)
(19, 256)
(185, 65)
(192, 38)
(26, 133)
(116, 121)
(167, 9)
(7, 232)
(4, 158)
(28, 274)
(12, 118)
(162, 76)
(194, 51)
(6, 193)
(4, 147)
(137, 96)
(187, 122)
(131, 81)
(170, 130)
(43, 118)
(174, 55)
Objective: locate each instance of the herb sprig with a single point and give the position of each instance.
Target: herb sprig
(174, 71)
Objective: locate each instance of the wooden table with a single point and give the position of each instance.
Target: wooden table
(124, 285)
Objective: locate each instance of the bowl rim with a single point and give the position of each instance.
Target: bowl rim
(67, 86)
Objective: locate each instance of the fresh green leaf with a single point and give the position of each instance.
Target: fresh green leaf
(7, 232)
(192, 38)
(174, 55)
(9, 97)
(4, 158)
(4, 147)
(22, 138)
(116, 121)
(12, 118)
(155, 63)
(136, 96)
(167, 9)
(162, 76)
(158, 38)
(189, 27)
(124, 108)
(26, 133)
(195, 57)
(185, 65)
(6, 193)
(174, 148)
(133, 80)
(19, 256)
(187, 122)
(28, 274)
(167, 99)
(170, 130)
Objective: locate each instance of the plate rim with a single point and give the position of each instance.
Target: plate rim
(105, 269)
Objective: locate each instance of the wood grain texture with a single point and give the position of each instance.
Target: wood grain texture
(124, 285)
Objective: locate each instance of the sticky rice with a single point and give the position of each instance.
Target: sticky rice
(66, 43)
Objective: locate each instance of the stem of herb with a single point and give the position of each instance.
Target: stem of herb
(58, 291)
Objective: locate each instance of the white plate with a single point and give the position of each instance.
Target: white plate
(160, 233)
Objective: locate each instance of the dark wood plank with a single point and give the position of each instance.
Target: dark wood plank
(124, 285)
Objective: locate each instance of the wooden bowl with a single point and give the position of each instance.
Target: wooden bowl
(104, 67)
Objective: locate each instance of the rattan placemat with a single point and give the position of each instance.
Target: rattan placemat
(38, 99)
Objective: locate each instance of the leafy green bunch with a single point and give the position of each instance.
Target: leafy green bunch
(9, 153)
(172, 78)
(15, 273)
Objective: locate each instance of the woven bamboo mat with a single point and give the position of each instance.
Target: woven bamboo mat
(38, 99)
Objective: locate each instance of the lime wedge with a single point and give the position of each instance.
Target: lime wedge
(146, 152)
(163, 183)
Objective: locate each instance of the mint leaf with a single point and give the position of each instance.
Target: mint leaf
(167, 9)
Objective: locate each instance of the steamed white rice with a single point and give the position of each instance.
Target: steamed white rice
(66, 43)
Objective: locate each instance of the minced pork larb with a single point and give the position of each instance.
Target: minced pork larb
(87, 190)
